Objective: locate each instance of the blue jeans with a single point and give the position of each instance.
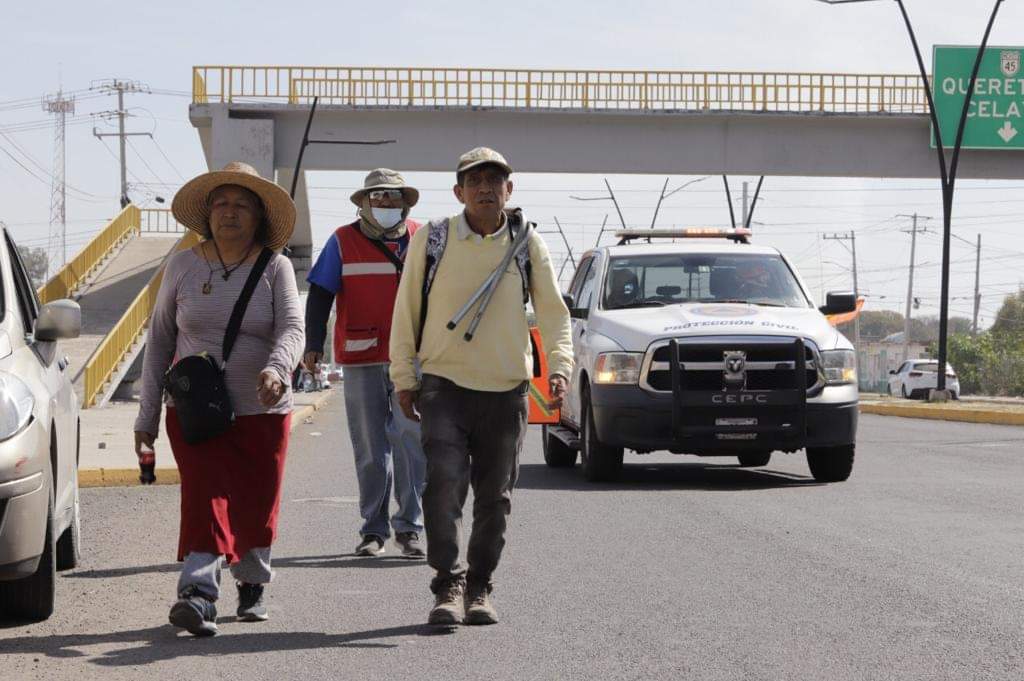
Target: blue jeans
(387, 451)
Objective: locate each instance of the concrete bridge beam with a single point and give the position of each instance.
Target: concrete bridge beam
(586, 141)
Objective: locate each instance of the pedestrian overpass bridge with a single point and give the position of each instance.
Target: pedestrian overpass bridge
(572, 121)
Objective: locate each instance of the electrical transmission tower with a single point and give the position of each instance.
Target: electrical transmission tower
(121, 87)
(60, 107)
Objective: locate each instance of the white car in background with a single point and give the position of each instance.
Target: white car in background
(916, 377)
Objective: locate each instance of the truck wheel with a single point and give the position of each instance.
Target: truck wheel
(754, 459)
(600, 462)
(33, 597)
(557, 454)
(830, 464)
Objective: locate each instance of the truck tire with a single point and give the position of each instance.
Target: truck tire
(32, 598)
(754, 459)
(830, 464)
(557, 454)
(601, 463)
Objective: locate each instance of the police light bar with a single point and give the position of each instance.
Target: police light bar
(739, 235)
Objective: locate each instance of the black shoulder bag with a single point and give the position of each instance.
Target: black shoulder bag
(196, 383)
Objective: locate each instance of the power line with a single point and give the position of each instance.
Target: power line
(173, 167)
(144, 161)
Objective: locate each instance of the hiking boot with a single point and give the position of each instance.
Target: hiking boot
(447, 608)
(410, 543)
(250, 603)
(194, 613)
(479, 609)
(371, 545)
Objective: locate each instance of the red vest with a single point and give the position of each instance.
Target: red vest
(366, 299)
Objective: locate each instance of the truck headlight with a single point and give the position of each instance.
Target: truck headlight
(618, 367)
(840, 366)
(16, 404)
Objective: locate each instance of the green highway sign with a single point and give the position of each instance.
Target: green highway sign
(996, 116)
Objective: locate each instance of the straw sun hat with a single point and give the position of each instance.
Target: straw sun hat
(191, 207)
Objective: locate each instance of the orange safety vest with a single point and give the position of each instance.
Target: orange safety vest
(366, 299)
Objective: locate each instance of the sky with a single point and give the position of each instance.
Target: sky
(78, 46)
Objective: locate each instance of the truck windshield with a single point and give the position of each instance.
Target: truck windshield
(669, 279)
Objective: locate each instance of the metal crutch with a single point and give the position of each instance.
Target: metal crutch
(517, 248)
(491, 282)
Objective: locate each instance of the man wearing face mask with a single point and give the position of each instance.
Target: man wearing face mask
(358, 270)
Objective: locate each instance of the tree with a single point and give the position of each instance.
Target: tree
(969, 356)
(993, 362)
(1009, 324)
(926, 329)
(877, 324)
(36, 262)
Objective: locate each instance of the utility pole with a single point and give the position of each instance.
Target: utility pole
(121, 87)
(60, 106)
(977, 288)
(910, 280)
(977, 279)
(850, 236)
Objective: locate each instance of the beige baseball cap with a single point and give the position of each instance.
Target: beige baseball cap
(482, 156)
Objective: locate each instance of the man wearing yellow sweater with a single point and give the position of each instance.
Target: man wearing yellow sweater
(472, 395)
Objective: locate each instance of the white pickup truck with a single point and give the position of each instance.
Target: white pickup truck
(707, 345)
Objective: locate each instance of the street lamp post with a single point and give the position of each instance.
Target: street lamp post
(947, 172)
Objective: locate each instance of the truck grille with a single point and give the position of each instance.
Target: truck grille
(769, 363)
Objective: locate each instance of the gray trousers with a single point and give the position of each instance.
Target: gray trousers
(202, 571)
(470, 437)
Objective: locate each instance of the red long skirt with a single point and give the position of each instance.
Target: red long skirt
(231, 485)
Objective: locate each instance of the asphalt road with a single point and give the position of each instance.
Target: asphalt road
(688, 568)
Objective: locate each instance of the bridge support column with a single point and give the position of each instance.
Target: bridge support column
(250, 140)
(301, 244)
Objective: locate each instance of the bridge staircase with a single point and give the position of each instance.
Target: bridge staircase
(114, 279)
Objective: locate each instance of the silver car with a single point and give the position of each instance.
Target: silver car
(39, 515)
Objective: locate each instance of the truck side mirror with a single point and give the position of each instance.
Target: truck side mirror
(837, 302)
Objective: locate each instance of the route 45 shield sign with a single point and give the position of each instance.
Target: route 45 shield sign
(1009, 62)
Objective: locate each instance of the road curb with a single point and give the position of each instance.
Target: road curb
(1001, 418)
(129, 477)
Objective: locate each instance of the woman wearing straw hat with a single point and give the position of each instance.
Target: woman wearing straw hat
(231, 482)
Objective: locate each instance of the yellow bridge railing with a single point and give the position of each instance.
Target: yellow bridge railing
(159, 221)
(125, 333)
(569, 89)
(71, 276)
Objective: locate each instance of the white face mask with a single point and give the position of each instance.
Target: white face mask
(387, 217)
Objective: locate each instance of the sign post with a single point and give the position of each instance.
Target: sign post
(995, 119)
